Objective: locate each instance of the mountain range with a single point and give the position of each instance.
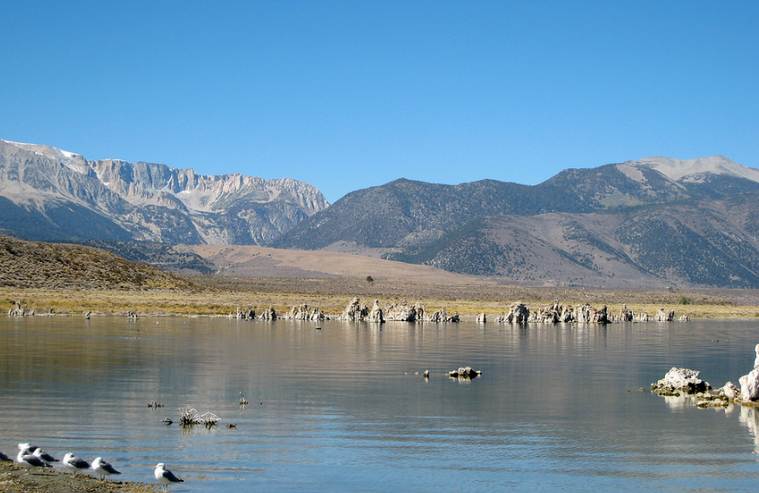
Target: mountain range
(656, 221)
(51, 194)
(650, 222)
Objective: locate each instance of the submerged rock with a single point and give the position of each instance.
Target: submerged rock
(465, 372)
(680, 380)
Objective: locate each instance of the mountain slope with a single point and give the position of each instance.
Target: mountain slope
(51, 194)
(27, 264)
(654, 221)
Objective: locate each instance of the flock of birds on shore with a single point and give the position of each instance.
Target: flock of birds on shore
(33, 456)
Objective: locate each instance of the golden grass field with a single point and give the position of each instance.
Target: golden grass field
(221, 296)
(69, 280)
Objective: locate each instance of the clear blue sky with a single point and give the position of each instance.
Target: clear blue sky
(356, 93)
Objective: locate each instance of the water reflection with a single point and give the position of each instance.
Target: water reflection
(342, 408)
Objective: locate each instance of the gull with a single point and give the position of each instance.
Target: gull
(4, 458)
(29, 460)
(164, 475)
(243, 400)
(25, 447)
(73, 462)
(41, 454)
(102, 468)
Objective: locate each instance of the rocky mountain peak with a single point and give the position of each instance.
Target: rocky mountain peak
(153, 201)
(692, 170)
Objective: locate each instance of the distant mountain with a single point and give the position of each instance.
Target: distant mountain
(652, 221)
(52, 194)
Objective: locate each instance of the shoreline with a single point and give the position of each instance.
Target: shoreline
(15, 478)
(216, 303)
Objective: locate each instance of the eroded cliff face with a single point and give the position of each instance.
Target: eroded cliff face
(52, 194)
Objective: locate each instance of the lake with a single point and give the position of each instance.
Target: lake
(341, 409)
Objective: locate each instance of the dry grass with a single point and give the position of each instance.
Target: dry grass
(47, 265)
(221, 299)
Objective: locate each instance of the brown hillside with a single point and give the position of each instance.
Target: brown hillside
(27, 264)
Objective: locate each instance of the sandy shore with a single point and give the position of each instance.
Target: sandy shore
(17, 479)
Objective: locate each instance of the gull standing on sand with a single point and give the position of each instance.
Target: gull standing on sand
(30, 460)
(164, 475)
(102, 468)
(41, 454)
(73, 462)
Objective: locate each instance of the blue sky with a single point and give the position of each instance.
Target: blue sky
(356, 93)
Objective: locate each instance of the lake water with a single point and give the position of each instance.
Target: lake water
(341, 409)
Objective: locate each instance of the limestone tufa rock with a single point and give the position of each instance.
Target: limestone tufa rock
(442, 316)
(355, 311)
(750, 385)
(518, 314)
(662, 316)
(268, 314)
(376, 314)
(680, 380)
(305, 312)
(19, 310)
(465, 372)
(401, 312)
(750, 382)
(729, 390)
(626, 315)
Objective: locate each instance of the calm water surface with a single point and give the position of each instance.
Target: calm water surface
(341, 409)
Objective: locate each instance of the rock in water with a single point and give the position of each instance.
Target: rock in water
(626, 315)
(268, 314)
(662, 316)
(680, 380)
(376, 314)
(750, 385)
(729, 390)
(355, 311)
(602, 316)
(401, 312)
(465, 372)
(518, 314)
(305, 312)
